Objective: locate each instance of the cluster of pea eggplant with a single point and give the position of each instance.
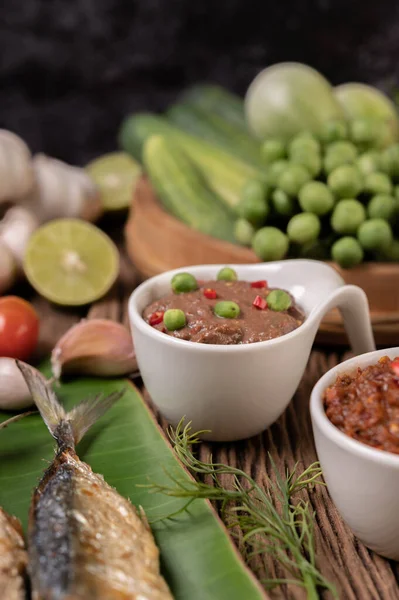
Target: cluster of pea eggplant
(174, 318)
(332, 196)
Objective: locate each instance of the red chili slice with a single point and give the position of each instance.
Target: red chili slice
(260, 303)
(262, 283)
(156, 318)
(210, 294)
(395, 366)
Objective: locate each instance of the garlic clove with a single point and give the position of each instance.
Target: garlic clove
(16, 171)
(95, 347)
(62, 190)
(16, 227)
(8, 268)
(14, 393)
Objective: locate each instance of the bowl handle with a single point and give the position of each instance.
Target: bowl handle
(353, 305)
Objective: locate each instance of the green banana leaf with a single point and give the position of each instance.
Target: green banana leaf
(198, 558)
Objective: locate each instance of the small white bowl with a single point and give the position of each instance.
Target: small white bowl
(362, 481)
(238, 391)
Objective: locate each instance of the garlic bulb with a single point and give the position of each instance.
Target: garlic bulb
(16, 171)
(8, 268)
(16, 227)
(95, 347)
(62, 190)
(14, 393)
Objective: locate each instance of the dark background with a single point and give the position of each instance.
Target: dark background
(71, 69)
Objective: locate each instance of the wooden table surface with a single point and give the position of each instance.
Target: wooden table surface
(358, 573)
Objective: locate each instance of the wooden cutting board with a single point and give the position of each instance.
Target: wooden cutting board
(157, 242)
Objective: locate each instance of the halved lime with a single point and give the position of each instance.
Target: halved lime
(71, 262)
(115, 175)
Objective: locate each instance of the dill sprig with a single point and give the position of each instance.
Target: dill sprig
(271, 521)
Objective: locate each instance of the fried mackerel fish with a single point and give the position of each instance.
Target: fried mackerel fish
(85, 540)
(13, 555)
(13, 558)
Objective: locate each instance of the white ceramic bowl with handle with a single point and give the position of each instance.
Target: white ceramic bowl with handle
(362, 481)
(238, 391)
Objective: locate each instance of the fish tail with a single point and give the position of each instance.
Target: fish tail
(62, 424)
(45, 399)
(85, 414)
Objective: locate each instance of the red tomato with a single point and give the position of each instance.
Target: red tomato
(19, 327)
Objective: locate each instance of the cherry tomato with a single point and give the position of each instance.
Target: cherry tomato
(19, 327)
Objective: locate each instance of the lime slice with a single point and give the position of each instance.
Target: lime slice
(71, 262)
(115, 175)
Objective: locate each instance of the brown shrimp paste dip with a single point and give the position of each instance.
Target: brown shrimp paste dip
(254, 323)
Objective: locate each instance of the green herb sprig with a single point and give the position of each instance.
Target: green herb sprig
(271, 521)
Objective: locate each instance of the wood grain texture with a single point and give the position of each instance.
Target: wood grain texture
(158, 242)
(358, 573)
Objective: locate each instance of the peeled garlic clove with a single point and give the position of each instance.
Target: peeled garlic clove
(14, 393)
(16, 227)
(95, 347)
(8, 268)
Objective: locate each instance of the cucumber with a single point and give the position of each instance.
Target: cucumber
(136, 129)
(224, 173)
(216, 129)
(214, 98)
(183, 191)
